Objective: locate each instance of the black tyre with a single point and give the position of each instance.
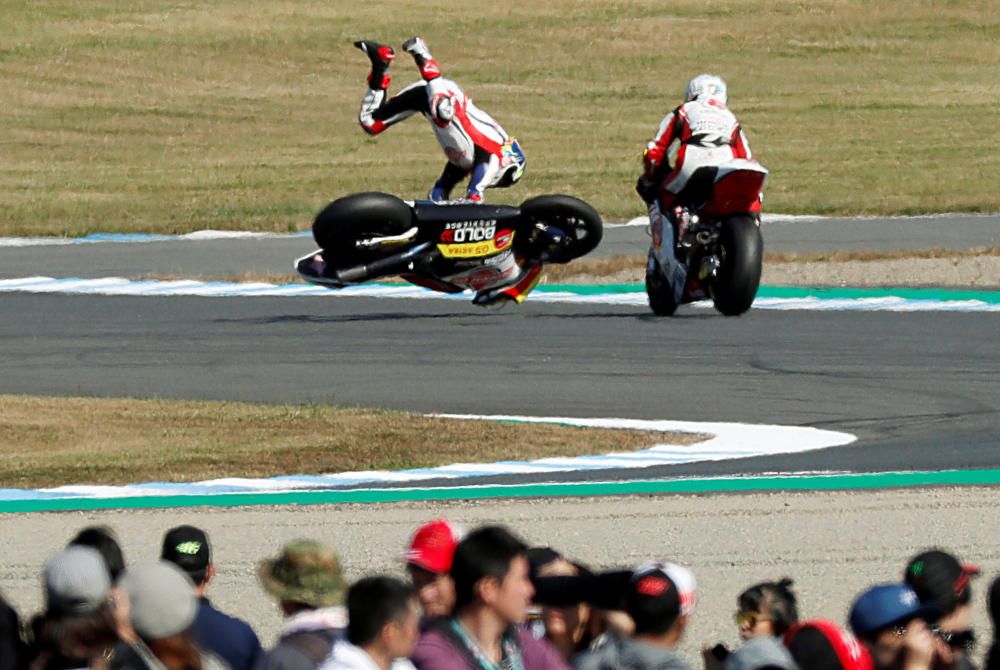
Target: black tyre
(557, 229)
(658, 290)
(353, 217)
(741, 255)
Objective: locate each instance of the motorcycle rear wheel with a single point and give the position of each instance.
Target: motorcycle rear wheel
(362, 215)
(578, 223)
(741, 252)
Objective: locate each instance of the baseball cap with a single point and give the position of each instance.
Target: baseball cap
(433, 546)
(819, 644)
(304, 572)
(886, 605)
(680, 577)
(187, 547)
(940, 578)
(76, 581)
(764, 651)
(162, 597)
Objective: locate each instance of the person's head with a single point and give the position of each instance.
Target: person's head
(305, 575)
(77, 621)
(941, 580)
(768, 608)
(102, 538)
(571, 627)
(880, 616)
(428, 561)
(382, 612)
(707, 87)
(822, 645)
(660, 599)
(187, 547)
(490, 570)
(163, 609)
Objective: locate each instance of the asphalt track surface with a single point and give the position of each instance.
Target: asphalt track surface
(920, 390)
(235, 257)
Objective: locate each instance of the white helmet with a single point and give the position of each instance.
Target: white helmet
(708, 85)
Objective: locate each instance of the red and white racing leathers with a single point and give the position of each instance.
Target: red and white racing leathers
(476, 145)
(706, 134)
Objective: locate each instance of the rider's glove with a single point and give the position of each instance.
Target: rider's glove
(647, 188)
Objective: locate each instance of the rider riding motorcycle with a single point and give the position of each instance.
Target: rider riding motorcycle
(476, 146)
(707, 134)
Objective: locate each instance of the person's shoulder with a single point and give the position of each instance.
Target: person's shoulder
(435, 650)
(538, 652)
(212, 618)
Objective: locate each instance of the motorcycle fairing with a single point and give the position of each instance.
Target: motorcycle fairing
(738, 187)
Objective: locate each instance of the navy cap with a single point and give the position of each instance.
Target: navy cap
(886, 605)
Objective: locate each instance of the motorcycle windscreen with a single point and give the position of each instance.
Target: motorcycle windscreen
(736, 191)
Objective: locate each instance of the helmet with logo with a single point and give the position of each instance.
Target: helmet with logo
(708, 85)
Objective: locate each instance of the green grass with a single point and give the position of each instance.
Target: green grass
(170, 117)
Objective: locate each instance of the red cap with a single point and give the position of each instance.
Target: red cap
(433, 546)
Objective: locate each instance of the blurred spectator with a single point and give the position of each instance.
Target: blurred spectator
(492, 594)
(158, 599)
(767, 609)
(13, 651)
(891, 622)
(232, 639)
(102, 538)
(383, 626)
(660, 600)
(993, 604)
(77, 628)
(763, 652)
(939, 579)
(308, 582)
(819, 644)
(573, 627)
(428, 561)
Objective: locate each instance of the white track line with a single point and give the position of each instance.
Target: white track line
(727, 441)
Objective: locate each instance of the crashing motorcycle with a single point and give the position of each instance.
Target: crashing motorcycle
(496, 250)
(716, 220)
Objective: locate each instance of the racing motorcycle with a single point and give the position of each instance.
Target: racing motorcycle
(446, 246)
(717, 222)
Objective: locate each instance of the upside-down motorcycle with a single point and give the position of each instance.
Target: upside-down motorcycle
(450, 246)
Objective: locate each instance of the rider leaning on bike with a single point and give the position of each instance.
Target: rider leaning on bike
(476, 145)
(706, 134)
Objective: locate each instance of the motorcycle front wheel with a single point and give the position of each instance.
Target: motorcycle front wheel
(557, 229)
(658, 289)
(741, 253)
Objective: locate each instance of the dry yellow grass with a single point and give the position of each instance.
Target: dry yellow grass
(51, 441)
(177, 116)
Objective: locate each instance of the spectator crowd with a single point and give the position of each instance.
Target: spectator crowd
(479, 601)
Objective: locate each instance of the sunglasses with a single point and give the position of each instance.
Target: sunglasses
(749, 619)
(960, 639)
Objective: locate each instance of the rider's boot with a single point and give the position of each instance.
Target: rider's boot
(662, 231)
(517, 292)
(381, 56)
(417, 48)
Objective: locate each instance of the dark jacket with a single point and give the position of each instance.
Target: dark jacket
(229, 638)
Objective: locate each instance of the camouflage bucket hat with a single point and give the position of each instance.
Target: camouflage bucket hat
(305, 572)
